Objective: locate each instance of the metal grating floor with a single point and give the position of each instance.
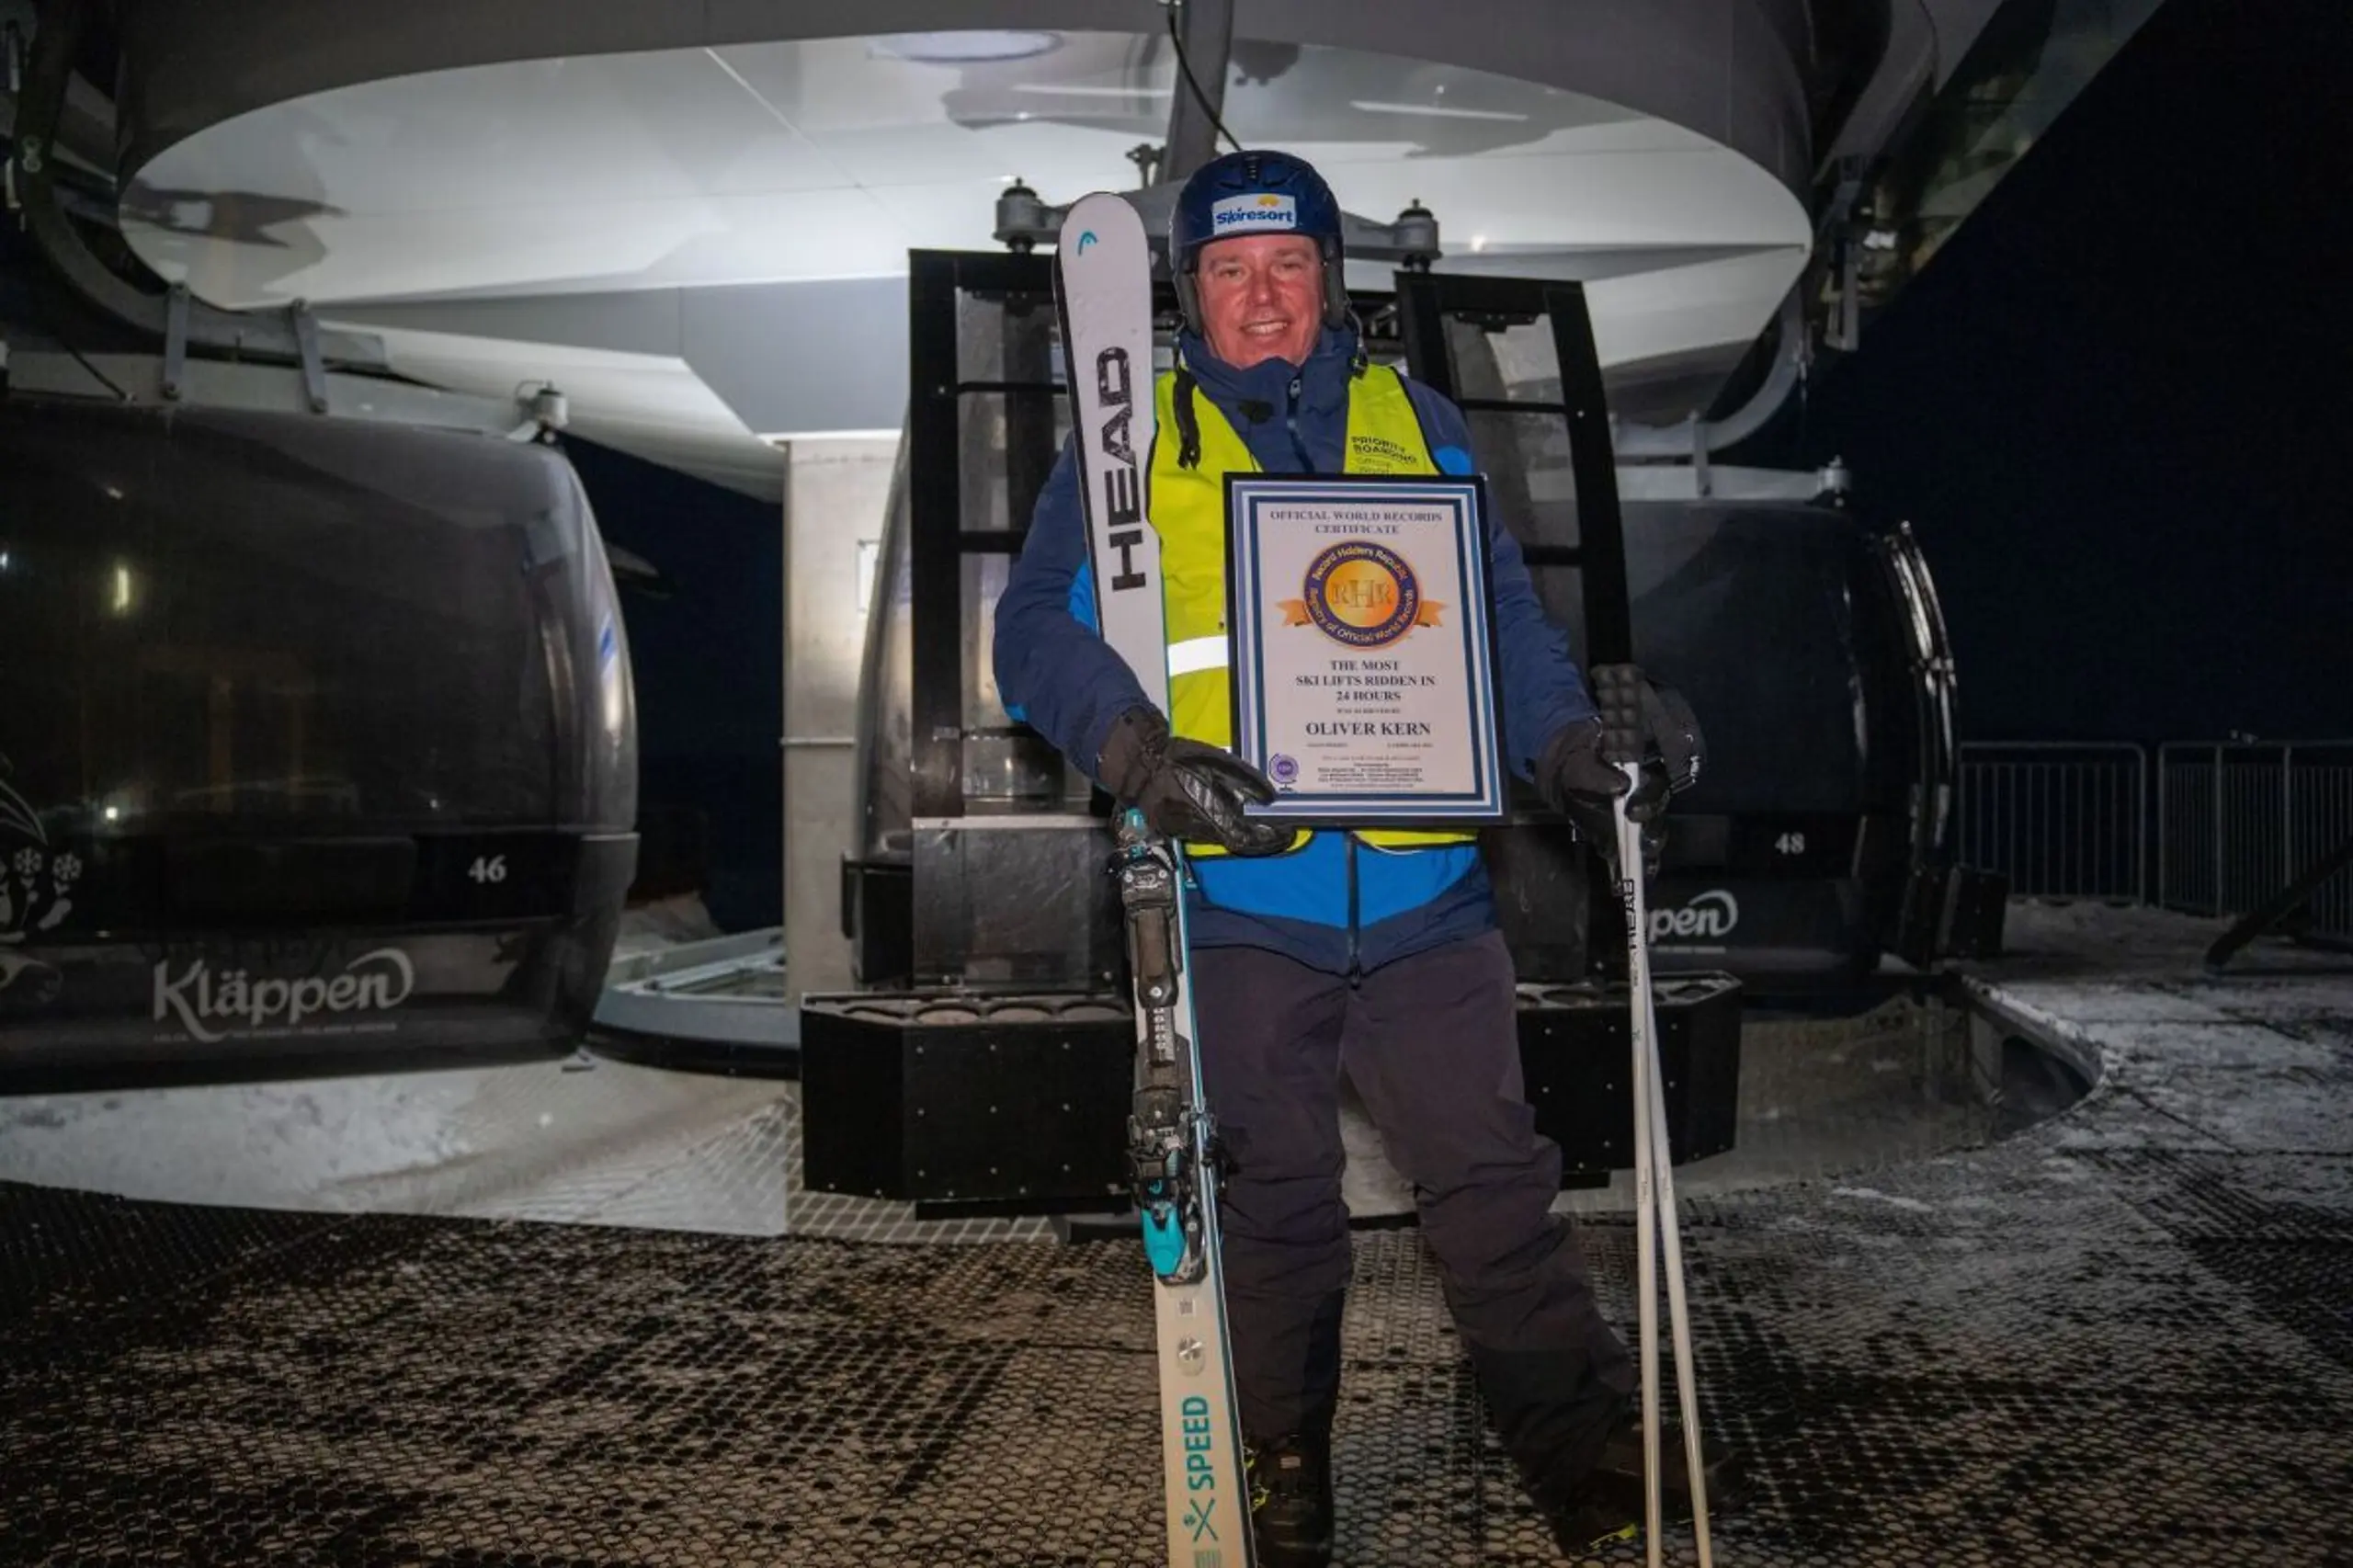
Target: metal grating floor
(2122, 1335)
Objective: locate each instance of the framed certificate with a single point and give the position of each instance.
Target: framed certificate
(1363, 649)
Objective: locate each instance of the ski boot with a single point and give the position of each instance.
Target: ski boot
(1586, 1521)
(1620, 1468)
(1290, 1499)
(1605, 1505)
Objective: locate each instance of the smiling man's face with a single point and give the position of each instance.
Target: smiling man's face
(1262, 298)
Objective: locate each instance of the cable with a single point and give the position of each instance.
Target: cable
(1186, 65)
(88, 366)
(40, 305)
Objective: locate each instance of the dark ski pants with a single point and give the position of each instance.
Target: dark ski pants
(1431, 1043)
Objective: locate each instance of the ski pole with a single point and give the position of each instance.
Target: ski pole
(1655, 1207)
(1629, 892)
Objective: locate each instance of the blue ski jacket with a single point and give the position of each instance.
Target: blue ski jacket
(1336, 904)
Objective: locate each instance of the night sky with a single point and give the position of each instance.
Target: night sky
(2115, 405)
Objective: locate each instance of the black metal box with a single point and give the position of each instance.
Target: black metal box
(944, 1098)
(1021, 1102)
(1576, 1051)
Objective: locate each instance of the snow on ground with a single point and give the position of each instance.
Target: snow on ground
(2251, 1059)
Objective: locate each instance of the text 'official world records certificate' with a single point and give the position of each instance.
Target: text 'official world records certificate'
(1362, 648)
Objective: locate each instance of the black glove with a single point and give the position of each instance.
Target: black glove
(1576, 781)
(1579, 774)
(1648, 723)
(1186, 788)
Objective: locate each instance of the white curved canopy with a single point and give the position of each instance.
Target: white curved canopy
(667, 233)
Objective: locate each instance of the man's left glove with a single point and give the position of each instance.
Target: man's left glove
(1650, 724)
(1580, 774)
(1576, 780)
(1187, 789)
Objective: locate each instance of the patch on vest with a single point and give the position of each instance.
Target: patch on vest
(1375, 454)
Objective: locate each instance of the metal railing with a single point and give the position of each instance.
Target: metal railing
(2237, 822)
(2058, 818)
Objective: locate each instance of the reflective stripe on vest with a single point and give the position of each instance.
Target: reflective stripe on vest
(1198, 655)
(1188, 512)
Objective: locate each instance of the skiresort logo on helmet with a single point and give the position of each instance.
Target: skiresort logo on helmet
(1242, 214)
(1361, 595)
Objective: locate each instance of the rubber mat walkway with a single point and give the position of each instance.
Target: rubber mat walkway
(2120, 1336)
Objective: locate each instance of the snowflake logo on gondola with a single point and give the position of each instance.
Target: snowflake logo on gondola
(30, 901)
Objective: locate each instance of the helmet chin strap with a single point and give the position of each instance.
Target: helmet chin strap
(1337, 311)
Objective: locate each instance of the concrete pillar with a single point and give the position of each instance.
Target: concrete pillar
(835, 494)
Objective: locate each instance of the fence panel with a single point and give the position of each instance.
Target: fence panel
(2253, 828)
(2238, 822)
(2320, 818)
(2187, 875)
(2059, 820)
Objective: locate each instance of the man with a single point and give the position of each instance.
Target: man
(1372, 952)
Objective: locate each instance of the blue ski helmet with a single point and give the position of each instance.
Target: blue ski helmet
(1255, 193)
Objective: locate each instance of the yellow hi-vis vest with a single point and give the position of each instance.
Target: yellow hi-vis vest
(1188, 507)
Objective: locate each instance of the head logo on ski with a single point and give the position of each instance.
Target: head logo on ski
(1123, 490)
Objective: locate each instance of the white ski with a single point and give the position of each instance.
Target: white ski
(1103, 288)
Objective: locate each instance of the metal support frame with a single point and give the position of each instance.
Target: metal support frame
(248, 337)
(935, 516)
(937, 539)
(45, 205)
(306, 344)
(41, 102)
(1207, 28)
(940, 536)
(1847, 303)
(186, 380)
(175, 342)
(1025, 222)
(1426, 302)
(1698, 438)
